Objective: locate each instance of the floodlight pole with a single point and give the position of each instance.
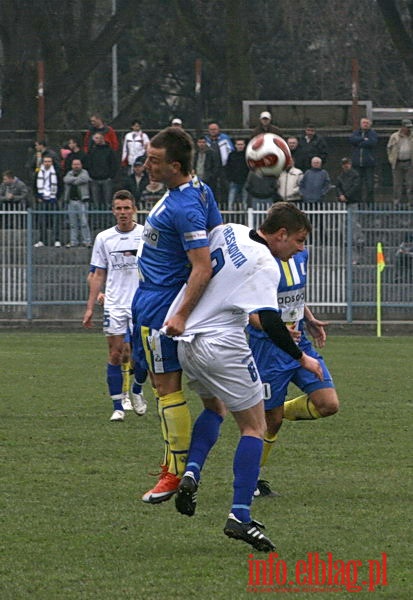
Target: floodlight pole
(355, 92)
(115, 101)
(40, 101)
(198, 96)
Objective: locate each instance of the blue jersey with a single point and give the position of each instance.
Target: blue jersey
(179, 222)
(276, 368)
(290, 294)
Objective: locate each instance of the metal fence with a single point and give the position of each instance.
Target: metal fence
(49, 283)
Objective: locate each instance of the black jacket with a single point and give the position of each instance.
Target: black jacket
(102, 162)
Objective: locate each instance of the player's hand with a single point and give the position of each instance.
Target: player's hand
(175, 326)
(87, 319)
(312, 364)
(317, 331)
(101, 298)
(295, 334)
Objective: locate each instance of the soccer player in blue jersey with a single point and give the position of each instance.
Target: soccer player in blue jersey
(277, 369)
(174, 250)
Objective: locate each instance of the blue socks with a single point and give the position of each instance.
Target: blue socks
(114, 380)
(246, 470)
(204, 435)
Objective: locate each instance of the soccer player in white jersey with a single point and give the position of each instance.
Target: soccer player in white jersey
(218, 362)
(174, 250)
(114, 261)
(277, 369)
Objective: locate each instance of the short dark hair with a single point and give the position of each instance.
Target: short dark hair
(136, 121)
(178, 145)
(287, 215)
(123, 195)
(8, 173)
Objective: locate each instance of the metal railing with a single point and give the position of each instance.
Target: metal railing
(342, 271)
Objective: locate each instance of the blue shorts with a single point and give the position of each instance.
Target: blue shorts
(149, 310)
(277, 370)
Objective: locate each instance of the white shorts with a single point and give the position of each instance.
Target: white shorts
(222, 367)
(117, 321)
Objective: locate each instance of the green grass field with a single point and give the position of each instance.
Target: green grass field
(72, 522)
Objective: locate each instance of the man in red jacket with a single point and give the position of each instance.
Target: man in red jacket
(97, 125)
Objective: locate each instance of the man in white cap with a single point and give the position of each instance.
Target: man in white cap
(265, 125)
(400, 155)
(176, 123)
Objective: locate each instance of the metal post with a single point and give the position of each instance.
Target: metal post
(198, 96)
(115, 103)
(355, 92)
(40, 100)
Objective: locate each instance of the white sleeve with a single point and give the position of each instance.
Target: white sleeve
(99, 258)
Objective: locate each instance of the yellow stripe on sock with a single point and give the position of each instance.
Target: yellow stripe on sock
(268, 445)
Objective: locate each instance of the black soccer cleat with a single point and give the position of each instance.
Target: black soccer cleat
(248, 532)
(185, 499)
(264, 489)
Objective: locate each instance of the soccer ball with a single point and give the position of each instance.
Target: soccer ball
(268, 154)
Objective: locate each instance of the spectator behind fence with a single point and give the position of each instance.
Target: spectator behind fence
(315, 182)
(76, 195)
(97, 125)
(298, 153)
(262, 191)
(75, 152)
(206, 163)
(265, 125)
(134, 146)
(312, 145)
(237, 173)
(364, 141)
(222, 145)
(400, 155)
(151, 193)
(137, 180)
(102, 170)
(289, 184)
(348, 191)
(13, 192)
(38, 152)
(47, 186)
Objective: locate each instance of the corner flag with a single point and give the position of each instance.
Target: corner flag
(380, 266)
(380, 257)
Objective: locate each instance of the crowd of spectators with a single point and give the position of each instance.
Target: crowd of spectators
(84, 173)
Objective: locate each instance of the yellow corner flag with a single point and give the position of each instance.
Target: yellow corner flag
(380, 266)
(380, 257)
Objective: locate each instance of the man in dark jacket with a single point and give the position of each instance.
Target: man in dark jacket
(312, 145)
(138, 180)
(206, 163)
(348, 191)
(237, 173)
(265, 125)
(348, 183)
(102, 169)
(364, 140)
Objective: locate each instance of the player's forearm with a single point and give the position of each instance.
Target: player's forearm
(278, 333)
(95, 286)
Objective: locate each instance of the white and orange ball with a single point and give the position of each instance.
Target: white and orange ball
(268, 154)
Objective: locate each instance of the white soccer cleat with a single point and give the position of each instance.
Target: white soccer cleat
(38, 244)
(139, 404)
(118, 415)
(126, 403)
(57, 244)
